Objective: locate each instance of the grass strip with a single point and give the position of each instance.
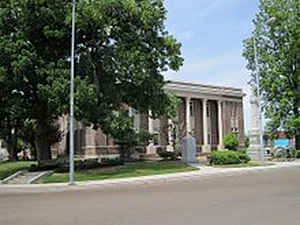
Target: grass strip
(9, 168)
(138, 169)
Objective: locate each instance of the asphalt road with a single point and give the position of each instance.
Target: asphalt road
(260, 198)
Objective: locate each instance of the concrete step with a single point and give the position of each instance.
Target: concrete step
(27, 177)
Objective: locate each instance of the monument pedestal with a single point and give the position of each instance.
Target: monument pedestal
(151, 149)
(255, 150)
(188, 154)
(206, 149)
(221, 147)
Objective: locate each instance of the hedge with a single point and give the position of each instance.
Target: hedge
(228, 157)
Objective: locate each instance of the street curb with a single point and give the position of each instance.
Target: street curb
(204, 172)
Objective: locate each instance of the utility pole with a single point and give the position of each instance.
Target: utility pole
(71, 157)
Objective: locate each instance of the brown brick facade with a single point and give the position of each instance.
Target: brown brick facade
(198, 114)
(164, 131)
(89, 142)
(232, 117)
(181, 119)
(214, 140)
(144, 122)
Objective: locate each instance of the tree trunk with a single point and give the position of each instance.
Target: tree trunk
(43, 150)
(12, 147)
(42, 144)
(33, 151)
(297, 141)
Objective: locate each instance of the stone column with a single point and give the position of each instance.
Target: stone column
(188, 115)
(220, 125)
(181, 120)
(150, 123)
(205, 147)
(130, 112)
(170, 136)
(150, 148)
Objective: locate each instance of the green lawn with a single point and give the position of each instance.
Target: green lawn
(249, 164)
(129, 170)
(9, 168)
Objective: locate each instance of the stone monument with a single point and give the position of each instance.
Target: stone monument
(255, 150)
(189, 149)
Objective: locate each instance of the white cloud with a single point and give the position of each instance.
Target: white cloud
(185, 35)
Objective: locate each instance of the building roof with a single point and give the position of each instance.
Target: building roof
(184, 89)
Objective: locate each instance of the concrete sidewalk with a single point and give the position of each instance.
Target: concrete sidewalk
(204, 172)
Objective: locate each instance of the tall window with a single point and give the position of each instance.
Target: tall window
(192, 108)
(136, 118)
(234, 121)
(207, 111)
(156, 126)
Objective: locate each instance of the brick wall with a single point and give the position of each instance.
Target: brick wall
(235, 109)
(164, 128)
(241, 123)
(226, 117)
(144, 122)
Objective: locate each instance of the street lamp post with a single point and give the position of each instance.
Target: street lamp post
(71, 159)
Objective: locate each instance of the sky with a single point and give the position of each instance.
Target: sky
(211, 33)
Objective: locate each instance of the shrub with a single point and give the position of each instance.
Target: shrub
(231, 142)
(297, 154)
(45, 165)
(228, 157)
(111, 162)
(290, 152)
(166, 155)
(243, 157)
(62, 166)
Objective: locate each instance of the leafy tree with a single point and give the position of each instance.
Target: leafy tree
(231, 141)
(33, 50)
(122, 49)
(277, 27)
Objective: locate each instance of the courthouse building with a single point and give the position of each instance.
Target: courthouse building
(207, 112)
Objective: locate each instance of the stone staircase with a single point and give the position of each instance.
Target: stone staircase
(25, 177)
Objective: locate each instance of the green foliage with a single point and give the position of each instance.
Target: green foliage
(125, 48)
(9, 168)
(247, 142)
(128, 170)
(166, 155)
(243, 156)
(122, 130)
(144, 138)
(122, 50)
(62, 166)
(285, 153)
(278, 54)
(297, 155)
(231, 142)
(228, 157)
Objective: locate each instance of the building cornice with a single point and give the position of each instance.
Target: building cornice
(182, 89)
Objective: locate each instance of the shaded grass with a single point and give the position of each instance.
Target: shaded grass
(249, 164)
(9, 168)
(128, 170)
